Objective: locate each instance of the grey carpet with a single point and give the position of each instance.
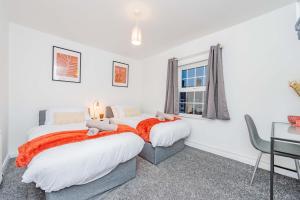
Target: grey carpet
(190, 174)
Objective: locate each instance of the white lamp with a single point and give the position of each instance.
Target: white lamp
(96, 110)
(136, 35)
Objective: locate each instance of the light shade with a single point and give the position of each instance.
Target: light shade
(136, 36)
(96, 110)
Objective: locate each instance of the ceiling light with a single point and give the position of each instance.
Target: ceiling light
(136, 35)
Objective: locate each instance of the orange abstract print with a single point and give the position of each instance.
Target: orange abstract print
(67, 65)
(120, 74)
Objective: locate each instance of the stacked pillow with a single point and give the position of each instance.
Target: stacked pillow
(125, 111)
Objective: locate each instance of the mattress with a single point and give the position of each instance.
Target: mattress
(81, 162)
(163, 134)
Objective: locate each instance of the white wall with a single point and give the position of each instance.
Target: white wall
(32, 88)
(3, 79)
(260, 56)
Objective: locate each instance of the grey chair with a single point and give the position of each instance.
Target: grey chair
(265, 146)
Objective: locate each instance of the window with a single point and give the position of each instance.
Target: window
(192, 87)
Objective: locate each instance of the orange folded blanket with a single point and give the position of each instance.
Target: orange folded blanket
(33, 147)
(144, 127)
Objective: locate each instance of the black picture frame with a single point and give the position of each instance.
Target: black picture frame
(53, 63)
(113, 74)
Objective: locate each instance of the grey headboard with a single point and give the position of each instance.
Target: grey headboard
(42, 117)
(108, 112)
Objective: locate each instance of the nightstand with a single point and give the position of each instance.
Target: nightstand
(104, 120)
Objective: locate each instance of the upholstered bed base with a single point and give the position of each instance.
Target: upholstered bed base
(157, 154)
(121, 174)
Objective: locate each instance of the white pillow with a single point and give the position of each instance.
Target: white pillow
(50, 113)
(118, 111)
(125, 111)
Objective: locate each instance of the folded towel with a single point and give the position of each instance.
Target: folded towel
(163, 116)
(101, 126)
(93, 131)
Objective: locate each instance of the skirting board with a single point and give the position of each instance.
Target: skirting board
(238, 157)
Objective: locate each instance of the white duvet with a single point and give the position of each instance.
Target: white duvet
(81, 162)
(163, 134)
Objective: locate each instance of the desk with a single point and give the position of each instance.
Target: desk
(285, 141)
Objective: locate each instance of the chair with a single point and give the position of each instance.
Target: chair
(264, 146)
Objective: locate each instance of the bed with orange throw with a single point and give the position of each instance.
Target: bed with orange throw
(163, 138)
(144, 127)
(33, 147)
(58, 157)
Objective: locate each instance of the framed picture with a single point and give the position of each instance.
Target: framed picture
(66, 65)
(120, 74)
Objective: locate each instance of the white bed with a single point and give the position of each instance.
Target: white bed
(161, 135)
(81, 162)
(166, 139)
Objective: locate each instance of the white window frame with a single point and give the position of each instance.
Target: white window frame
(191, 89)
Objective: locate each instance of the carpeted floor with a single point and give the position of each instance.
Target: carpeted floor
(190, 174)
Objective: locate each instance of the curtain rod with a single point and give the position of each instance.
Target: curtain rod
(195, 54)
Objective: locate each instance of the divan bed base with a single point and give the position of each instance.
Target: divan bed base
(121, 174)
(157, 154)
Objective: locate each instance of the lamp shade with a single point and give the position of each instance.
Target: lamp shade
(136, 36)
(96, 109)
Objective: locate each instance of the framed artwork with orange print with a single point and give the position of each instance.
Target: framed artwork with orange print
(120, 73)
(66, 65)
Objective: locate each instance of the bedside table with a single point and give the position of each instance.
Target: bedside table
(106, 120)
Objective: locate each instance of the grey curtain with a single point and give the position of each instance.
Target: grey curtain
(215, 105)
(171, 102)
(297, 27)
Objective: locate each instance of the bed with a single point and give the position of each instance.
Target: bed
(84, 169)
(166, 139)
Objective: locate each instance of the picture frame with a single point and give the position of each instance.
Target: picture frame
(66, 65)
(120, 74)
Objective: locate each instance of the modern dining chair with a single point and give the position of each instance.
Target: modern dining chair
(261, 145)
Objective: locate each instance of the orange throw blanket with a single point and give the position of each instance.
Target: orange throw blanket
(144, 127)
(33, 147)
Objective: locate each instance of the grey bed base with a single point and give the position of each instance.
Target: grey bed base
(157, 154)
(121, 174)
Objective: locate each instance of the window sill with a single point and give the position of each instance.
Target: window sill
(188, 116)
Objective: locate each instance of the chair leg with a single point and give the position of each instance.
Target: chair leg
(297, 168)
(256, 166)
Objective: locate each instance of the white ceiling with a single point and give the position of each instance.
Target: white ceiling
(107, 24)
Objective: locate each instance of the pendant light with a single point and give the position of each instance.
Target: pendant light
(136, 35)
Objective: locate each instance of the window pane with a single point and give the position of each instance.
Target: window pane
(182, 97)
(200, 82)
(200, 71)
(191, 82)
(198, 109)
(183, 74)
(191, 73)
(182, 107)
(189, 108)
(190, 97)
(199, 97)
(184, 83)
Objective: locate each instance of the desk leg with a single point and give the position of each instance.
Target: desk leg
(272, 169)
